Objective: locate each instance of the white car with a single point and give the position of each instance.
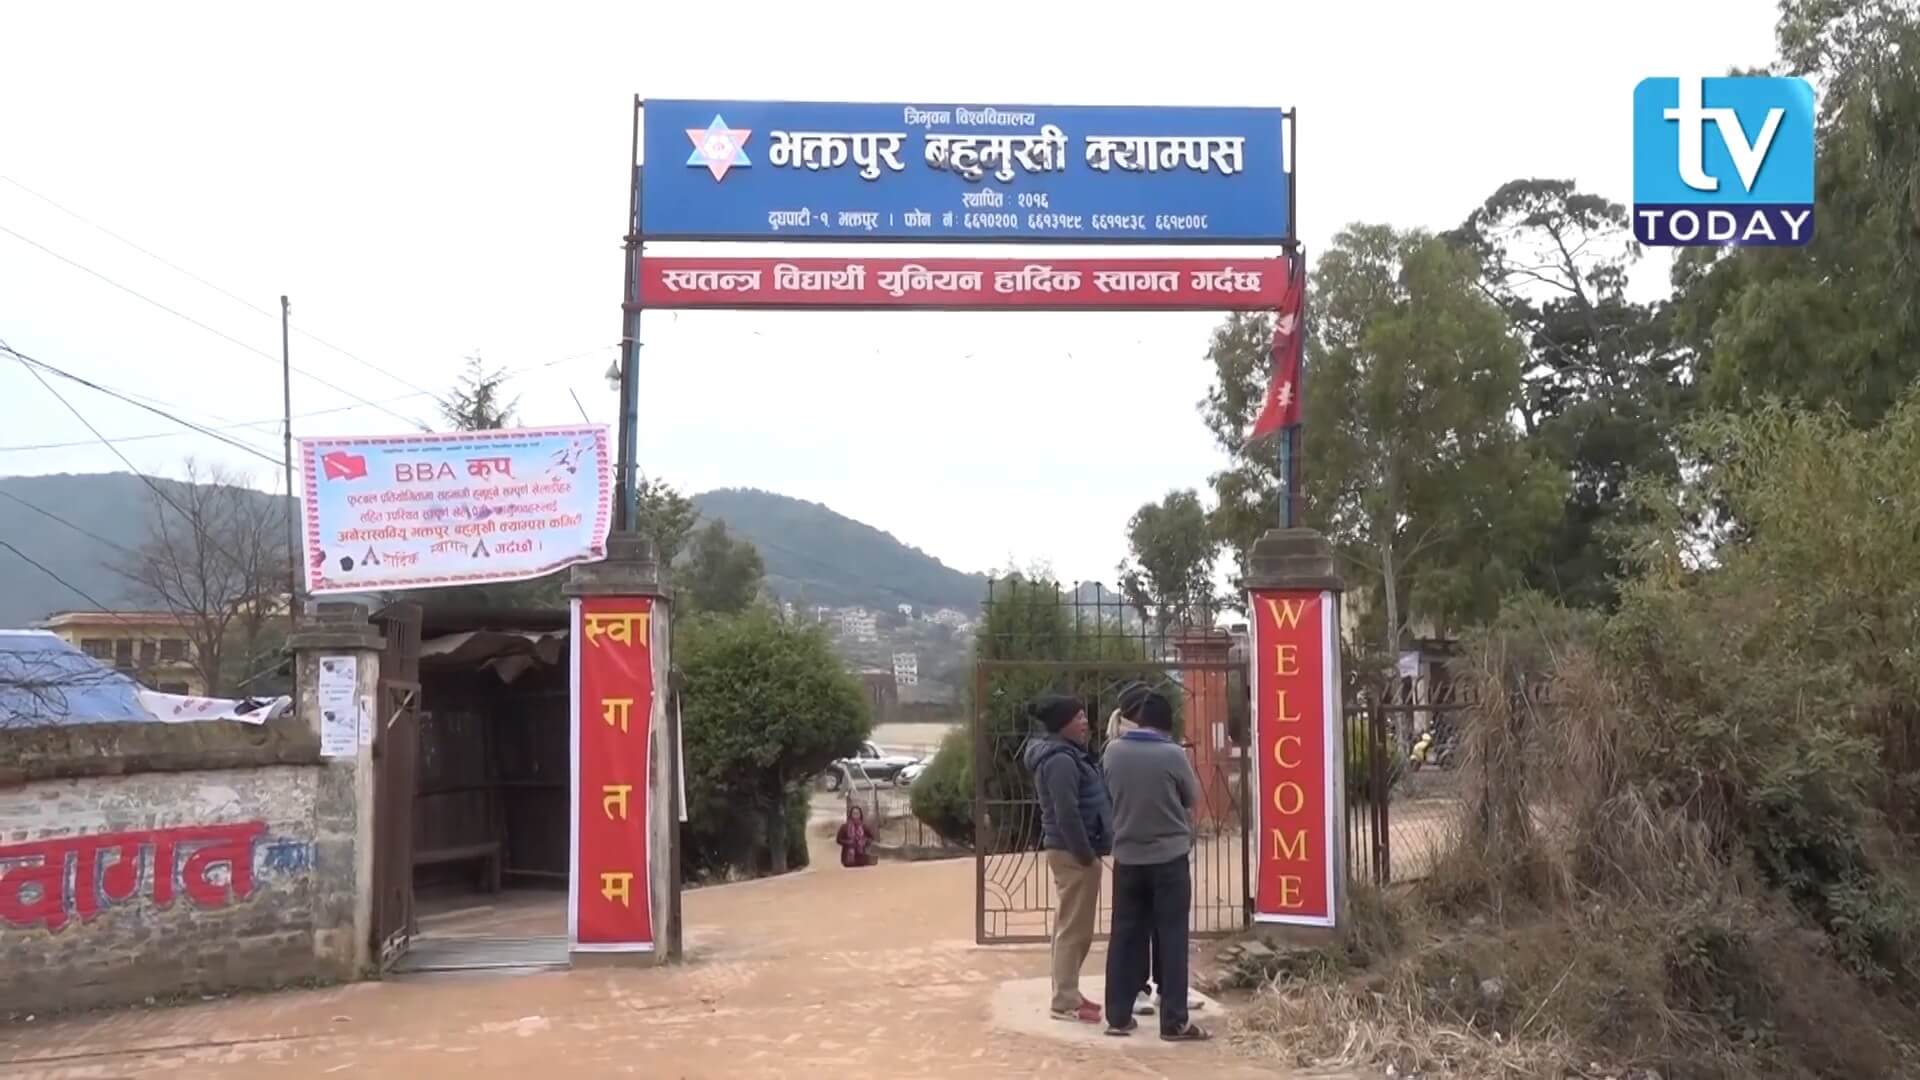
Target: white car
(869, 764)
(914, 771)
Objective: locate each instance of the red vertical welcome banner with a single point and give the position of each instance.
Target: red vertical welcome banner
(609, 901)
(1297, 747)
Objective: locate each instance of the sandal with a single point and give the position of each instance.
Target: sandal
(1190, 1033)
(1121, 1031)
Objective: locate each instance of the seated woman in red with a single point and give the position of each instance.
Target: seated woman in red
(853, 839)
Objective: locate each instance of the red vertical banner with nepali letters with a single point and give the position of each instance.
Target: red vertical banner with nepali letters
(609, 901)
(1296, 748)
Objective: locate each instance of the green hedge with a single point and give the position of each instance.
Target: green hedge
(943, 795)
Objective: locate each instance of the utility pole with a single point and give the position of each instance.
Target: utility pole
(626, 504)
(286, 451)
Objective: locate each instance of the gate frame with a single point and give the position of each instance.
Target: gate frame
(396, 752)
(1375, 704)
(1293, 260)
(983, 750)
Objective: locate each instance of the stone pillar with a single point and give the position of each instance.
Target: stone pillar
(1296, 563)
(1205, 708)
(343, 823)
(631, 571)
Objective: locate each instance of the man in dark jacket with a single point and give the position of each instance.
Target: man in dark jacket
(1153, 788)
(1076, 830)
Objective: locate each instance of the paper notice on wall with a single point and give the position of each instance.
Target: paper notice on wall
(1409, 665)
(368, 719)
(339, 706)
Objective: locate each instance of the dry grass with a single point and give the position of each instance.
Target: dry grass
(1581, 922)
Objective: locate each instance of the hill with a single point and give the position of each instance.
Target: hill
(816, 556)
(813, 555)
(101, 516)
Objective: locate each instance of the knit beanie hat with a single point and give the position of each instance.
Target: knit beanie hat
(1055, 711)
(1150, 709)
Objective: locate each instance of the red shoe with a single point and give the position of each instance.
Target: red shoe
(1087, 1013)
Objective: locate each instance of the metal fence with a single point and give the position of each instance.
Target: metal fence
(1089, 643)
(888, 807)
(1403, 782)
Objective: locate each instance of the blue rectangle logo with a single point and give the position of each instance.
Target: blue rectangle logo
(1724, 161)
(757, 170)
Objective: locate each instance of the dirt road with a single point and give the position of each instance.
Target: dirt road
(807, 975)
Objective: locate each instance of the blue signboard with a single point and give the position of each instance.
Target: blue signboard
(755, 170)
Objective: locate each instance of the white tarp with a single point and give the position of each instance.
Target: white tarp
(182, 708)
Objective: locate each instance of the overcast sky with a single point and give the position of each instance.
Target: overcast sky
(432, 180)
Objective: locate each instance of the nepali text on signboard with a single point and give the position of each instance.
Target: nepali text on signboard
(1051, 285)
(1091, 174)
(463, 508)
(610, 907)
(1296, 744)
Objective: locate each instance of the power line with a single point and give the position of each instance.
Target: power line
(102, 609)
(23, 447)
(229, 294)
(56, 517)
(509, 374)
(192, 521)
(33, 366)
(235, 297)
(223, 335)
(31, 561)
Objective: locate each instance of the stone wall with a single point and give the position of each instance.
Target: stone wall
(174, 882)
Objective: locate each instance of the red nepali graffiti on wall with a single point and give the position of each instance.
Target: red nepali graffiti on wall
(51, 882)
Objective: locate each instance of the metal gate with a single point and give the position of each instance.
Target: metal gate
(1038, 640)
(396, 740)
(1401, 812)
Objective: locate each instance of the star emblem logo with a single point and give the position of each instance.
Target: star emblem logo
(719, 147)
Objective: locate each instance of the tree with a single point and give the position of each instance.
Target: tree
(1028, 619)
(475, 403)
(723, 575)
(1601, 383)
(1837, 321)
(1769, 669)
(767, 707)
(666, 517)
(1414, 470)
(215, 558)
(1168, 576)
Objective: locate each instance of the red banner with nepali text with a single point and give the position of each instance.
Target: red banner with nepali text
(610, 898)
(1296, 748)
(873, 282)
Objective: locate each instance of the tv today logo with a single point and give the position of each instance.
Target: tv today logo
(1723, 161)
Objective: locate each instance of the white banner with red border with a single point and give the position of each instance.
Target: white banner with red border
(460, 508)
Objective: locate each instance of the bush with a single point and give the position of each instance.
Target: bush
(799, 813)
(943, 795)
(723, 838)
(766, 707)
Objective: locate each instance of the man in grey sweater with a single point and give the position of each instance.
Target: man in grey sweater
(1153, 789)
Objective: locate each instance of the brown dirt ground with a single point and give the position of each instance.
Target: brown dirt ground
(805, 975)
